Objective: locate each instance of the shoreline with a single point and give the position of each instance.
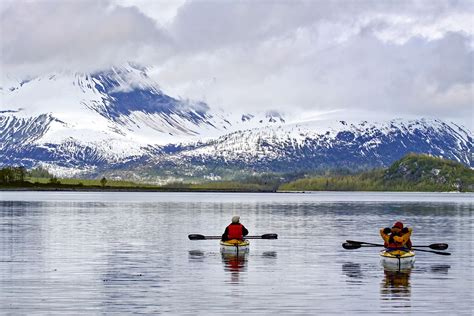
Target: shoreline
(178, 190)
(129, 190)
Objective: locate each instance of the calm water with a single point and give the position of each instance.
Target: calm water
(101, 253)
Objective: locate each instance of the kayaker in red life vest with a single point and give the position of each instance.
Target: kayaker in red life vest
(235, 230)
(397, 237)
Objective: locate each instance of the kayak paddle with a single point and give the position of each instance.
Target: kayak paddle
(432, 251)
(435, 246)
(432, 246)
(202, 237)
(351, 244)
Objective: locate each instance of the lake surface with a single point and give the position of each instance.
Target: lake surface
(101, 253)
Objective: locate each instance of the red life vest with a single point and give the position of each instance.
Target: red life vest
(235, 231)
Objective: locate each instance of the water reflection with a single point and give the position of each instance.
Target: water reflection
(196, 255)
(235, 263)
(353, 271)
(396, 284)
(396, 287)
(269, 254)
(440, 269)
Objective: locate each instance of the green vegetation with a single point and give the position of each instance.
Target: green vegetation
(413, 172)
(367, 181)
(41, 179)
(39, 172)
(20, 178)
(86, 182)
(11, 175)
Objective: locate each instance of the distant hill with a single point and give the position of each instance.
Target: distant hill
(413, 172)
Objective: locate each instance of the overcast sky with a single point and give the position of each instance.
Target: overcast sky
(383, 59)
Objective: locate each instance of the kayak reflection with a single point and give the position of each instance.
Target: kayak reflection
(196, 255)
(440, 269)
(235, 263)
(396, 286)
(353, 271)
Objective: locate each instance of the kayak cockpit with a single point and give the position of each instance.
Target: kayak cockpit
(234, 246)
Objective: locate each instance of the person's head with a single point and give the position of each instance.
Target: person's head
(235, 219)
(397, 227)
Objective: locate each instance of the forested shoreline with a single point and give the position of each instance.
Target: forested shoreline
(413, 172)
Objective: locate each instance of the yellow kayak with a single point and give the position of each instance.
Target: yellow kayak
(234, 246)
(397, 258)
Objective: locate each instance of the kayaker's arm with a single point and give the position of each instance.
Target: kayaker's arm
(245, 232)
(226, 232)
(385, 236)
(403, 239)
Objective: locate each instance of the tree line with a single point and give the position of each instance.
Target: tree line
(12, 175)
(9, 175)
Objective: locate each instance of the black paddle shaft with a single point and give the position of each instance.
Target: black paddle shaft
(202, 237)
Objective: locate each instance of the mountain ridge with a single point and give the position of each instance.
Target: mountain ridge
(119, 122)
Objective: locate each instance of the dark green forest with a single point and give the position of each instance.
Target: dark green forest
(414, 172)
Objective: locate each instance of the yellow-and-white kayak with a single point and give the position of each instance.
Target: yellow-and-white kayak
(397, 258)
(234, 246)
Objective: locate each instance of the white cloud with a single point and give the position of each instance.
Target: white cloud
(39, 36)
(163, 11)
(396, 58)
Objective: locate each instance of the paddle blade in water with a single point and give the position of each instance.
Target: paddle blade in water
(270, 236)
(354, 242)
(434, 246)
(439, 246)
(349, 246)
(196, 237)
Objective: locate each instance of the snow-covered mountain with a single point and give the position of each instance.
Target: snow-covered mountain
(119, 122)
(79, 121)
(316, 145)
